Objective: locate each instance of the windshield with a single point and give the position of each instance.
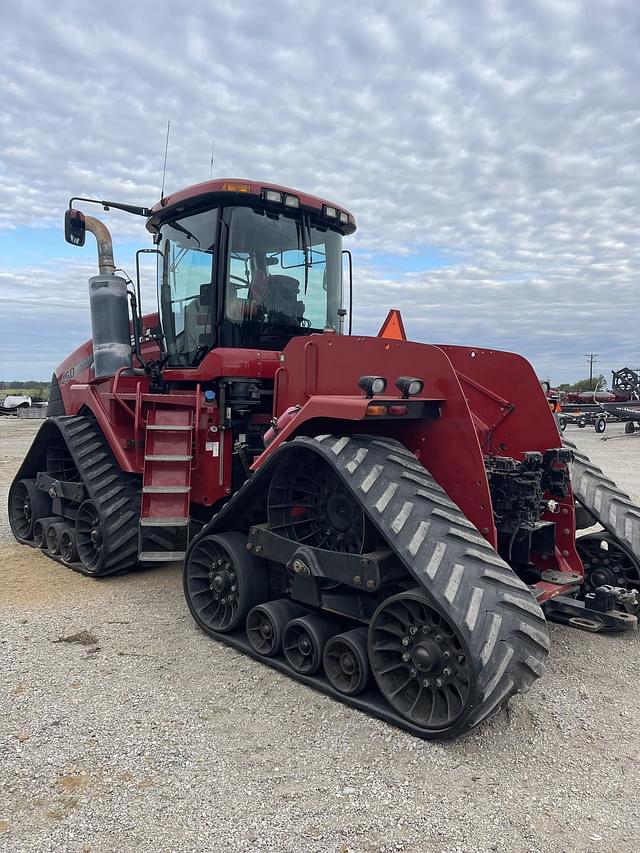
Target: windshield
(186, 287)
(283, 278)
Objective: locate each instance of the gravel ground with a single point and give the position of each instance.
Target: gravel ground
(124, 728)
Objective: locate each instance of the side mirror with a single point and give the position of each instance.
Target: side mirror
(74, 227)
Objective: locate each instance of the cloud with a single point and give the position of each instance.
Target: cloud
(501, 137)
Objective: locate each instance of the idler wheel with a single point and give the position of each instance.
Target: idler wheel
(27, 504)
(606, 561)
(223, 582)
(304, 640)
(419, 661)
(346, 661)
(266, 624)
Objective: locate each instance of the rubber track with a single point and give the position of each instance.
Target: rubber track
(114, 493)
(496, 614)
(608, 504)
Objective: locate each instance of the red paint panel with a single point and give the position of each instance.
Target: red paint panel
(447, 447)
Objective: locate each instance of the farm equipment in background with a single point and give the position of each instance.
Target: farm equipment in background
(386, 521)
(597, 419)
(12, 404)
(626, 384)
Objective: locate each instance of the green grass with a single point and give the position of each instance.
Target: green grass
(37, 389)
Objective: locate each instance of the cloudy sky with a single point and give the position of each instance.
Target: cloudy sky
(490, 151)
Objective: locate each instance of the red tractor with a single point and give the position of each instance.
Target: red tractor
(387, 521)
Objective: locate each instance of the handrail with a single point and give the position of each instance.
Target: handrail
(116, 396)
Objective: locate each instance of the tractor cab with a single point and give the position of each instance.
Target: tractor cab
(246, 266)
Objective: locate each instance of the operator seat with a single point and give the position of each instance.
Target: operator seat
(281, 299)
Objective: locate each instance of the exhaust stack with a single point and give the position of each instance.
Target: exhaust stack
(110, 330)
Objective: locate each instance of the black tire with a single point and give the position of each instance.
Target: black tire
(309, 503)
(609, 505)
(41, 528)
(27, 504)
(606, 561)
(346, 661)
(562, 424)
(629, 427)
(90, 538)
(223, 582)
(582, 422)
(54, 532)
(68, 550)
(421, 662)
(266, 624)
(600, 425)
(304, 640)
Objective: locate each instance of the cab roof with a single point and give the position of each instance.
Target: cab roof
(244, 191)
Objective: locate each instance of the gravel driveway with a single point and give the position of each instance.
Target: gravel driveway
(125, 728)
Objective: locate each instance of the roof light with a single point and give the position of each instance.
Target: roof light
(344, 217)
(330, 212)
(235, 188)
(291, 200)
(408, 386)
(372, 385)
(272, 195)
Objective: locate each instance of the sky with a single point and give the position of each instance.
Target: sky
(490, 151)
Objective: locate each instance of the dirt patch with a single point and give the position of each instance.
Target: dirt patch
(83, 638)
(31, 580)
(73, 783)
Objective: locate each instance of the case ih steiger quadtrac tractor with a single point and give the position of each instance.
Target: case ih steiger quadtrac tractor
(388, 521)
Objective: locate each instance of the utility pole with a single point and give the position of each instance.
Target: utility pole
(592, 356)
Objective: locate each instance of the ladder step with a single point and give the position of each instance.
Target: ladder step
(167, 458)
(173, 521)
(160, 556)
(171, 427)
(166, 490)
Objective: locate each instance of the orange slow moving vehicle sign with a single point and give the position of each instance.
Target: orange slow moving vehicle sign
(393, 327)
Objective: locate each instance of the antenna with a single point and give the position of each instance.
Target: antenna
(213, 142)
(164, 168)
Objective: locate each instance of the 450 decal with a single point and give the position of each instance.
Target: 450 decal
(69, 374)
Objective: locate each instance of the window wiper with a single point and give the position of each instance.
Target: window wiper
(184, 231)
(304, 238)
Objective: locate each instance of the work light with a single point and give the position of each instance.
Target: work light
(372, 385)
(408, 386)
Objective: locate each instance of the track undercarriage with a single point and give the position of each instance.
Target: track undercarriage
(71, 499)
(374, 587)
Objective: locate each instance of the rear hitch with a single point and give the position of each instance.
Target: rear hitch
(607, 609)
